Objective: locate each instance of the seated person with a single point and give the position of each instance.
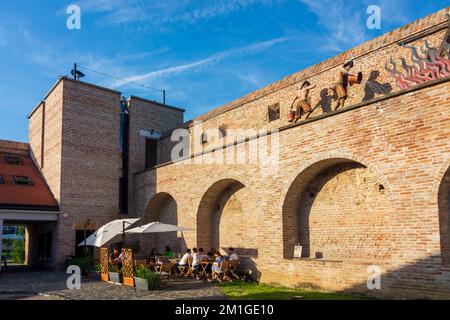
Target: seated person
(115, 258)
(153, 254)
(218, 262)
(209, 258)
(197, 257)
(232, 254)
(184, 260)
(169, 252)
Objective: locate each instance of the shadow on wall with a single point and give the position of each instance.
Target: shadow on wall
(373, 87)
(327, 96)
(424, 279)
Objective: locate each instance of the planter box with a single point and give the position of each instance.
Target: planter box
(142, 284)
(115, 277)
(104, 276)
(95, 275)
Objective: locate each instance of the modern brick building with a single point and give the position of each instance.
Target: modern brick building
(361, 189)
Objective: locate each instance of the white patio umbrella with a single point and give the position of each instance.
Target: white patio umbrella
(108, 232)
(156, 227)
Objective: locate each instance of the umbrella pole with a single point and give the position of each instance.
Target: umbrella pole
(123, 234)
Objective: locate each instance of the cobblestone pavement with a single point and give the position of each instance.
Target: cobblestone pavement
(47, 285)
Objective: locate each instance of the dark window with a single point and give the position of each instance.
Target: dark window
(150, 153)
(83, 251)
(2, 180)
(223, 130)
(204, 138)
(273, 112)
(13, 160)
(22, 180)
(45, 241)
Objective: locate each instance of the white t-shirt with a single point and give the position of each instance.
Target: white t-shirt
(184, 259)
(197, 258)
(234, 256)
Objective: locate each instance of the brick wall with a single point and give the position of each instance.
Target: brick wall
(251, 111)
(81, 156)
(147, 115)
(398, 143)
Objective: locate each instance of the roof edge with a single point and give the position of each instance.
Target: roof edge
(157, 103)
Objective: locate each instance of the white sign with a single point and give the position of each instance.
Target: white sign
(298, 251)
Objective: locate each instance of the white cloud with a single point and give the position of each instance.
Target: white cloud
(161, 12)
(213, 59)
(345, 25)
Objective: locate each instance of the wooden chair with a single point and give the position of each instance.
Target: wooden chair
(186, 270)
(234, 264)
(165, 270)
(221, 274)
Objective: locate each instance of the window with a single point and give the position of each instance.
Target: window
(2, 180)
(223, 130)
(150, 153)
(13, 160)
(23, 181)
(273, 112)
(203, 138)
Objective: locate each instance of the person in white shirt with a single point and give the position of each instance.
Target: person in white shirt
(232, 254)
(197, 256)
(184, 260)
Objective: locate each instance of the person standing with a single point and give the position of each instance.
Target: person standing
(301, 102)
(341, 84)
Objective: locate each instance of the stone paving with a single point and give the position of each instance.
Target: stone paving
(48, 285)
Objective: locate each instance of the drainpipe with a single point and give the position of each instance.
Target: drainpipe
(124, 146)
(1, 244)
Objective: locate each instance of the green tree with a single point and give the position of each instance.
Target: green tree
(18, 250)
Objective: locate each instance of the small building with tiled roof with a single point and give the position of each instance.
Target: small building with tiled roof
(25, 198)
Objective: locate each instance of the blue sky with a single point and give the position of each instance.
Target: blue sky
(204, 53)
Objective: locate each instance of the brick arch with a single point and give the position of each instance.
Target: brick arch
(222, 205)
(163, 208)
(443, 197)
(327, 190)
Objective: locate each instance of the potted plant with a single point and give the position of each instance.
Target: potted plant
(114, 274)
(95, 275)
(85, 264)
(146, 280)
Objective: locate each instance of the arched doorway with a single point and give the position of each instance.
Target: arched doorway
(225, 218)
(444, 217)
(336, 209)
(162, 208)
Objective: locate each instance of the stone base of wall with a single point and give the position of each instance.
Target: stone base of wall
(340, 276)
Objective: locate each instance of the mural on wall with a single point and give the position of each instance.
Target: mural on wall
(428, 65)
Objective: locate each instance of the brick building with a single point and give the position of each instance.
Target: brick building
(362, 188)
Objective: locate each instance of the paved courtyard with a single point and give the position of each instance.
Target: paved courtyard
(48, 285)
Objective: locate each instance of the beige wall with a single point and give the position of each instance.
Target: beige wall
(399, 141)
(147, 115)
(370, 57)
(81, 156)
